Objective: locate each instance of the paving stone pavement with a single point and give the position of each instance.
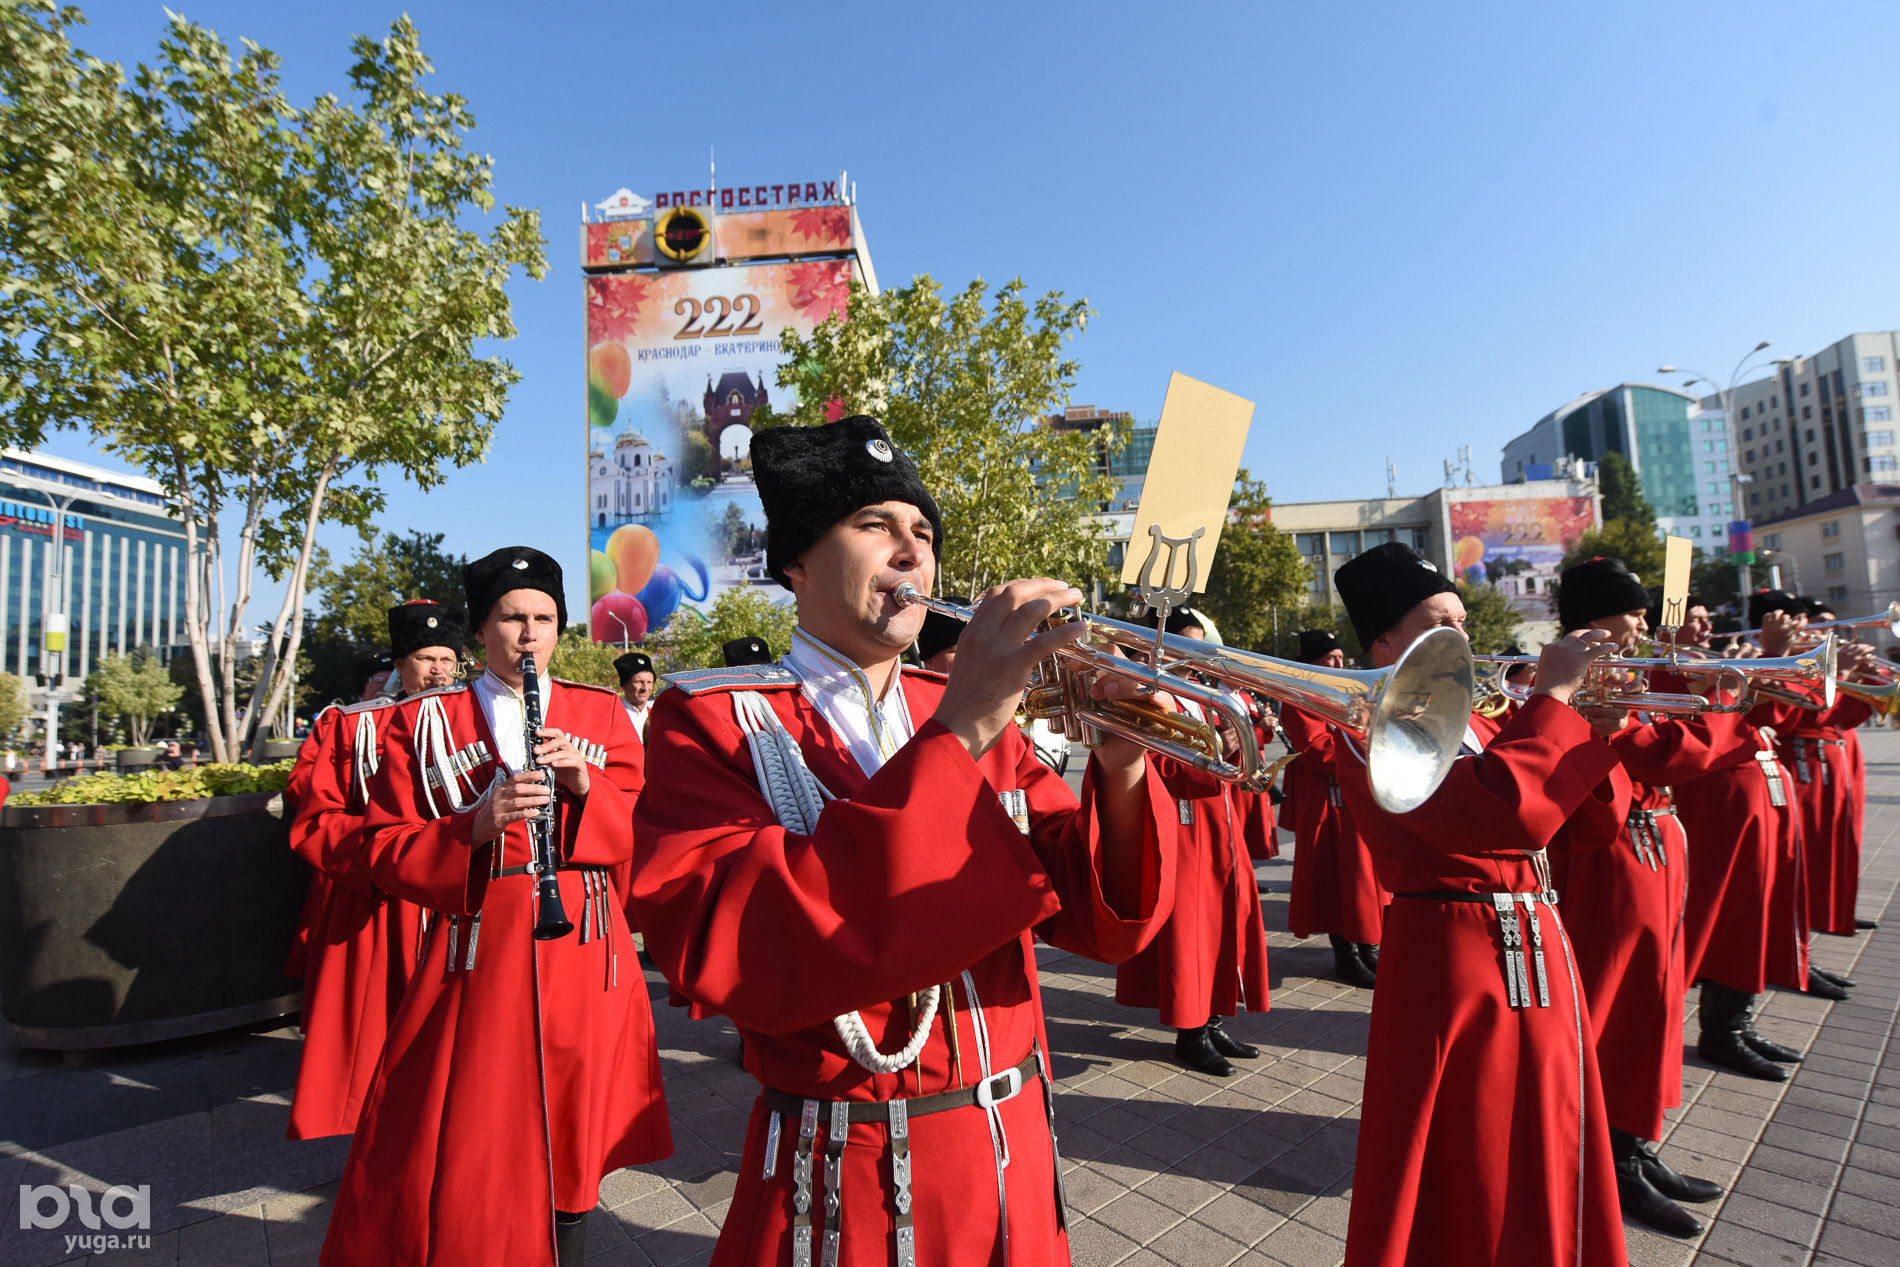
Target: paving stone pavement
(1164, 1165)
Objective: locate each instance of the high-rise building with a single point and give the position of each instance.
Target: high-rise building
(1843, 547)
(1818, 425)
(121, 558)
(1678, 448)
(1128, 465)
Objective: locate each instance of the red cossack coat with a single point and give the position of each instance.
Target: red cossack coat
(362, 945)
(914, 874)
(1813, 745)
(1334, 889)
(1623, 906)
(1210, 958)
(1482, 1135)
(1255, 809)
(510, 1088)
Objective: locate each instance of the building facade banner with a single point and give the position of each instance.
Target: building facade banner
(677, 363)
(1517, 545)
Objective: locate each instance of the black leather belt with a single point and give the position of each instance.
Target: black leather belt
(1459, 895)
(524, 868)
(1004, 1086)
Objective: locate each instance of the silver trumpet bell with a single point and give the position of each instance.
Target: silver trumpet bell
(1409, 720)
(1888, 620)
(1813, 667)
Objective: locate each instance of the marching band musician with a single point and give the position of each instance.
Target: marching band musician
(1334, 889)
(1743, 913)
(636, 688)
(363, 942)
(1623, 905)
(1849, 793)
(518, 1072)
(1210, 958)
(740, 651)
(1482, 1135)
(1811, 745)
(850, 865)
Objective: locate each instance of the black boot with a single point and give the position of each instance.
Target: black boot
(1821, 988)
(1864, 925)
(1835, 977)
(1227, 1045)
(1724, 1013)
(1193, 1048)
(1639, 1197)
(570, 1237)
(1672, 1185)
(1770, 1048)
(1369, 954)
(1347, 965)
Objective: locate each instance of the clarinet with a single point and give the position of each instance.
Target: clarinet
(550, 921)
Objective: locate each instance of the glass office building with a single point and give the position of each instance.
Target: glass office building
(122, 562)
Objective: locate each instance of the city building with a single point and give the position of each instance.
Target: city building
(634, 485)
(1677, 444)
(1128, 465)
(1818, 425)
(1513, 536)
(1843, 547)
(121, 559)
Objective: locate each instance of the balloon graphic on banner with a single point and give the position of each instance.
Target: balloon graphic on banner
(600, 576)
(609, 374)
(617, 618)
(661, 596)
(634, 552)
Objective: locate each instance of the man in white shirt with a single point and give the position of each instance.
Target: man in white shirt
(636, 688)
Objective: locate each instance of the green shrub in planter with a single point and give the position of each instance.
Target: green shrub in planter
(151, 786)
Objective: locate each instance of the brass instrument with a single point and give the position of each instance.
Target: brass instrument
(1764, 678)
(1612, 682)
(1409, 719)
(1888, 620)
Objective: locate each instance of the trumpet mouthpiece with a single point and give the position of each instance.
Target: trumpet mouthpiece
(906, 594)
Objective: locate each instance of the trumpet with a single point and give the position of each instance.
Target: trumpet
(1612, 682)
(1817, 668)
(1409, 719)
(1888, 620)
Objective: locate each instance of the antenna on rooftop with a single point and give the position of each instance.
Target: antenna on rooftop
(1391, 479)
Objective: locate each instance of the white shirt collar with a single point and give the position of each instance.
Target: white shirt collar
(873, 730)
(507, 716)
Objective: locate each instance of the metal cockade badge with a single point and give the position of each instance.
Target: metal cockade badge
(521, 565)
(879, 449)
(432, 622)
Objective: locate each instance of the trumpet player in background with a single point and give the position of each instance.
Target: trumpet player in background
(1334, 889)
(851, 862)
(1482, 1137)
(1623, 881)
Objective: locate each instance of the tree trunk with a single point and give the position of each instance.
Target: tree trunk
(196, 593)
(234, 624)
(287, 629)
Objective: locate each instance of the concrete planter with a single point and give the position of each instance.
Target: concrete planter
(134, 923)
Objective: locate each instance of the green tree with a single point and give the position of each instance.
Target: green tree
(960, 385)
(12, 704)
(266, 308)
(578, 658)
(137, 687)
(696, 463)
(1490, 620)
(692, 640)
(1713, 579)
(353, 601)
(730, 532)
(1637, 545)
(1257, 571)
(1622, 491)
(1291, 620)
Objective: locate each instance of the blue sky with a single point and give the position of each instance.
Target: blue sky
(1398, 228)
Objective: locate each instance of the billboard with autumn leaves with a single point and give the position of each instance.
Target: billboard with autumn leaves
(678, 362)
(1517, 544)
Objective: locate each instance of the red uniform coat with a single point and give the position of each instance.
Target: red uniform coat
(362, 946)
(1813, 745)
(1210, 958)
(509, 1089)
(1255, 809)
(913, 875)
(1623, 906)
(1334, 889)
(1482, 1136)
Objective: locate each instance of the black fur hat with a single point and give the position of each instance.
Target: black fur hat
(740, 651)
(1315, 643)
(1596, 588)
(369, 665)
(1381, 585)
(631, 663)
(1761, 602)
(512, 568)
(811, 477)
(422, 622)
(940, 632)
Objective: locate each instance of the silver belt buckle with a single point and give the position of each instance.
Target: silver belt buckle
(986, 1095)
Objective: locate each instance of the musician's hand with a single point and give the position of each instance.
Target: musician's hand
(1605, 721)
(1741, 651)
(1563, 665)
(514, 799)
(998, 650)
(1777, 631)
(557, 752)
(1122, 759)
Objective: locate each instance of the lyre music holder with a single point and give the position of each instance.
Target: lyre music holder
(1165, 597)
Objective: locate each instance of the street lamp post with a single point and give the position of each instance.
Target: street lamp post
(54, 617)
(1738, 513)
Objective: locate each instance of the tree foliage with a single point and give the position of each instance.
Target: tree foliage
(264, 307)
(137, 687)
(353, 601)
(578, 658)
(1636, 544)
(960, 384)
(1258, 579)
(12, 704)
(691, 640)
(1490, 620)
(1622, 492)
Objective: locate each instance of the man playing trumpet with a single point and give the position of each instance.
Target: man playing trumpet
(850, 861)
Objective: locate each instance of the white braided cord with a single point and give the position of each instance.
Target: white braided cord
(797, 798)
(368, 758)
